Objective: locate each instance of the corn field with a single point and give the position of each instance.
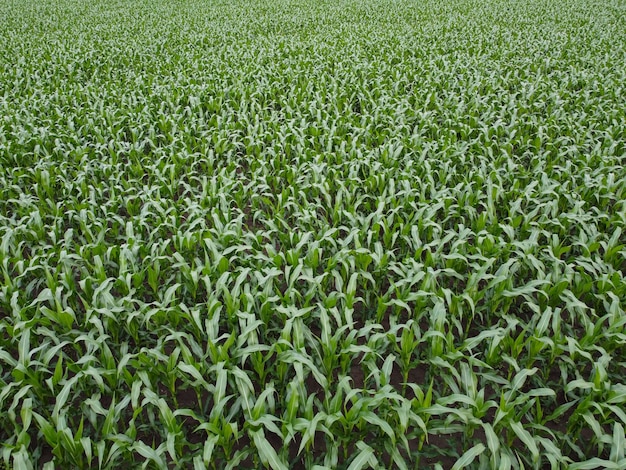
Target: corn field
(312, 234)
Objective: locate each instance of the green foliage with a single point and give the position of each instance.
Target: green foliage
(312, 234)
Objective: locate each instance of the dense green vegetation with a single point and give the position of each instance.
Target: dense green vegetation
(288, 234)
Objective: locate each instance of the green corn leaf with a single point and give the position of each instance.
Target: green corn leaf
(266, 451)
(468, 457)
(380, 423)
(594, 463)
(520, 378)
(149, 453)
(363, 459)
(618, 445)
(526, 438)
